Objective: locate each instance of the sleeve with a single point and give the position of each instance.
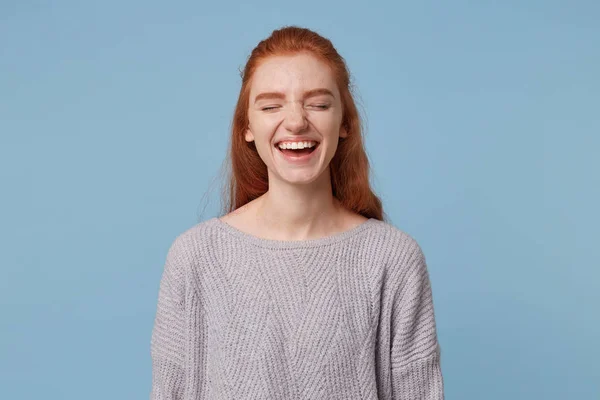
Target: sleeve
(170, 337)
(415, 351)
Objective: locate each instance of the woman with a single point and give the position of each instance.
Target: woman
(301, 291)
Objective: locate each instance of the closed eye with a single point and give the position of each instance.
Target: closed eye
(318, 106)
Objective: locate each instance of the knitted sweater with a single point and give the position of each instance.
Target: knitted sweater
(348, 316)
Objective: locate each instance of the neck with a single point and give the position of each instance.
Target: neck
(299, 212)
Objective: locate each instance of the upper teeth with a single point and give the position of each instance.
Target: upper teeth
(297, 145)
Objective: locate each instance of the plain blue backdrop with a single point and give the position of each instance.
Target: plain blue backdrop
(483, 124)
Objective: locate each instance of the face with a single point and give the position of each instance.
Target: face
(295, 99)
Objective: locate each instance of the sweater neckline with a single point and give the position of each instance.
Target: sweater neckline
(292, 244)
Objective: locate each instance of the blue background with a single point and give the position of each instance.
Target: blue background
(483, 129)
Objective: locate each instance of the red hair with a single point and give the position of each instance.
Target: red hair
(349, 168)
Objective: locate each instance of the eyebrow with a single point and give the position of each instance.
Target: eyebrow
(279, 95)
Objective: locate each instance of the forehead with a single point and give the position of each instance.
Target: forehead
(290, 74)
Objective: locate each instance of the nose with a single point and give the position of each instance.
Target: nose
(295, 118)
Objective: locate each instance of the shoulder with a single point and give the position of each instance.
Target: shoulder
(397, 244)
(194, 237)
(400, 255)
(188, 248)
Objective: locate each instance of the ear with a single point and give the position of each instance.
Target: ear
(249, 136)
(343, 132)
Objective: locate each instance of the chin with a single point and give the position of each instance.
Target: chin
(300, 178)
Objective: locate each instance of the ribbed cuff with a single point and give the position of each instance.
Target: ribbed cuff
(420, 380)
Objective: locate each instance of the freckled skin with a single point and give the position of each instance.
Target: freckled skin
(272, 119)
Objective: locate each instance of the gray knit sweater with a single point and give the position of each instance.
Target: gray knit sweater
(348, 316)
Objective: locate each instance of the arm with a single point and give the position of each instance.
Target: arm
(169, 340)
(415, 351)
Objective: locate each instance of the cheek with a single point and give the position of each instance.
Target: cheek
(262, 141)
(265, 126)
(328, 125)
(263, 136)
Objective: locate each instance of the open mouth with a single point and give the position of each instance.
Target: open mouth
(298, 152)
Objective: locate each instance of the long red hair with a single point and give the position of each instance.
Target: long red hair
(349, 168)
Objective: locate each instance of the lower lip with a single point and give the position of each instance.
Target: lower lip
(298, 159)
